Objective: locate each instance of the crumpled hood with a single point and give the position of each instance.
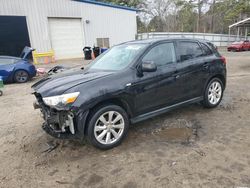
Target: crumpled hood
(59, 83)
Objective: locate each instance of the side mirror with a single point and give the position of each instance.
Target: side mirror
(148, 66)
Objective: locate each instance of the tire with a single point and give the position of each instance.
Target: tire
(21, 76)
(1, 93)
(103, 134)
(213, 97)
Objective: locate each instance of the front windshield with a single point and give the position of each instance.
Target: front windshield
(117, 58)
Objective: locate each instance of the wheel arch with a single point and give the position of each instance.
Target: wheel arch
(111, 101)
(219, 76)
(18, 69)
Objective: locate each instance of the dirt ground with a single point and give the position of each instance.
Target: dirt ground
(188, 147)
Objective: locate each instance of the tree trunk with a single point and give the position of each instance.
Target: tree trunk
(199, 16)
(212, 17)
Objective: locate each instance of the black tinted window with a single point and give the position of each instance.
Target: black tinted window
(189, 50)
(206, 49)
(161, 54)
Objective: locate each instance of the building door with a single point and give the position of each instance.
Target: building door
(66, 37)
(13, 35)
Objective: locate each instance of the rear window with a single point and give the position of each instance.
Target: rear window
(189, 50)
(7, 61)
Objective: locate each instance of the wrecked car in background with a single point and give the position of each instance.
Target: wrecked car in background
(17, 69)
(129, 83)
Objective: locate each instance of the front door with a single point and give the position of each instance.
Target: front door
(156, 89)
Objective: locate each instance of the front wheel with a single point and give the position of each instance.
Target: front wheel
(107, 127)
(213, 93)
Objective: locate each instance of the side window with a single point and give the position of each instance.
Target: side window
(6, 61)
(206, 49)
(161, 54)
(189, 50)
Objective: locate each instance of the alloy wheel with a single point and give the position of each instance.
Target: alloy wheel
(21, 76)
(109, 127)
(214, 92)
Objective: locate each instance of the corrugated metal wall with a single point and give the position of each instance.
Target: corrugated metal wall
(105, 22)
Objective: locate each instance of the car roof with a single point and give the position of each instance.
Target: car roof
(155, 40)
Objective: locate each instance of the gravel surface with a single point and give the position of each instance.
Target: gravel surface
(188, 147)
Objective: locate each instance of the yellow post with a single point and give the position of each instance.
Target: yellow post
(44, 54)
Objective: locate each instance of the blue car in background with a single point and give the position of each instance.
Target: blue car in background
(17, 69)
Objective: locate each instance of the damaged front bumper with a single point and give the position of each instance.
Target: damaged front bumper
(64, 124)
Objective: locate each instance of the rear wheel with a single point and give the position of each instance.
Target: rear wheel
(21, 76)
(107, 127)
(213, 93)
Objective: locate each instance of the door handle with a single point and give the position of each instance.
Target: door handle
(128, 84)
(176, 74)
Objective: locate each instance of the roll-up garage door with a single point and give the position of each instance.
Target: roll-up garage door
(66, 36)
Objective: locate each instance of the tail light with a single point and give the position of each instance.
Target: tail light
(223, 60)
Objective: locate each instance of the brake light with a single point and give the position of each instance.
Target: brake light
(223, 60)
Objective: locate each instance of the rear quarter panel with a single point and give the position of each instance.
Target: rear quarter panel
(25, 65)
(217, 69)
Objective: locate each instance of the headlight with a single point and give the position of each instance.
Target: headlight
(61, 100)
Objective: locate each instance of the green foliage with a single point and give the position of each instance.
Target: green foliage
(188, 15)
(156, 25)
(141, 27)
(228, 12)
(129, 3)
(187, 19)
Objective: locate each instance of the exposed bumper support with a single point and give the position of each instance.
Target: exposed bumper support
(62, 124)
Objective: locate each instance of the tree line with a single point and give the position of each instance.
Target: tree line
(211, 16)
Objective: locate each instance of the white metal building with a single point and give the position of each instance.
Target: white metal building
(65, 26)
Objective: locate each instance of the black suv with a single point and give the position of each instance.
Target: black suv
(129, 83)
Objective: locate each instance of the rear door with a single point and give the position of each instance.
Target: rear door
(190, 69)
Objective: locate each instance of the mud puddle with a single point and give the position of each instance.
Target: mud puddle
(178, 134)
(186, 133)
